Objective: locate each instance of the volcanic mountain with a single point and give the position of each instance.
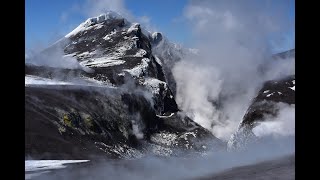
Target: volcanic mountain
(106, 90)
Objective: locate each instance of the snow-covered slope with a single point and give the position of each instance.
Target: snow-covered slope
(94, 22)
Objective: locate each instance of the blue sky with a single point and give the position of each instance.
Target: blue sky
(47, 20)
(44, 22)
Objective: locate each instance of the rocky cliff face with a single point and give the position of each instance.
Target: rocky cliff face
(115, 102)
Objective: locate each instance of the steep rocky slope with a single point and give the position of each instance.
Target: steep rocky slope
(115, 102)
(264, 106)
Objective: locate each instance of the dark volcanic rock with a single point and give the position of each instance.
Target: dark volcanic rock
(69, 121)
(287, 54)
(82, 122)
(156, 38)
(264, 105)
(272, 92)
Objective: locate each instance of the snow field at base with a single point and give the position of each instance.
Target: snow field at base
(35, 80)
(31, 80)
(36, 165)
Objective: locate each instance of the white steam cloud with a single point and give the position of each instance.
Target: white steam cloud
(137, 126)
(54, 57)
(281, 125)
(193, 83)
(233, 42)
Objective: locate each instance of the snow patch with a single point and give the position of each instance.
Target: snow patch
(133, 27)
(293, 88)
(96, 82)
(190, 133)
(165, 116)
(108, 36)
(36, 80)
(36, 165)
(161, 151)
(121, 74)
(153, 85)
(270, 94)
(120, 49)
(158, 60)
(102, 62)
(98, 26)
(31, 80)
(138, 70)
(124, 47)
(86, 54)
(82, 27)
(70, 55)
(266, 91)
(140, 53)
(164, 138)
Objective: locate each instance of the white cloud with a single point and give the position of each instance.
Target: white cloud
(64, 17)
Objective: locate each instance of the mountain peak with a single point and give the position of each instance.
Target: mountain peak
(95, 21)
(105, 17)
